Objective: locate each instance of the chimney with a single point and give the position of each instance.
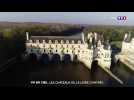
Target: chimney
(83, 39)
(27, 36)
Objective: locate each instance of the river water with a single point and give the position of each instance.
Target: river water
(71, 72)
(21, 73)
(124, 73)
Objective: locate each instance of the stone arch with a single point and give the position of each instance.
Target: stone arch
(94, 66)
(75, 58)
(44, 58)
(67, 58)
(55, 58)
(32, 57)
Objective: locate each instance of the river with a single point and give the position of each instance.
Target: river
(21, 73)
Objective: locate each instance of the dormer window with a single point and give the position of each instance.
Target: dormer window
(67, 41)
(72, 41)
(72, 51)
(30, 41)
(56, 41)
(50, 41)
(37, 41)
(79, 42)
(62, 41)
(43, 41)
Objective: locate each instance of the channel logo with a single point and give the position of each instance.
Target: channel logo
(121, 18)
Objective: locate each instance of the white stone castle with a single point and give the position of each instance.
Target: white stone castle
(126, 55)
(85, 48)
(128, 44)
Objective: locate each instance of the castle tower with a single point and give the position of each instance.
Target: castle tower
(89, 35)
(27, 36)
(109, 47)
(83, 39)
(125, 37)
(95, 36)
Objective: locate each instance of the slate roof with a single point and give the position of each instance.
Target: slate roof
(58, 38)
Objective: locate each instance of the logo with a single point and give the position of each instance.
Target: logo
(121, 18)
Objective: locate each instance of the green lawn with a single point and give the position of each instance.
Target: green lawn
(117, 43)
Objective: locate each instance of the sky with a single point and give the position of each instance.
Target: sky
(94, 18)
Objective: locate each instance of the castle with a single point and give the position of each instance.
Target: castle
(126, 55)
(128, 44)
(84, 48)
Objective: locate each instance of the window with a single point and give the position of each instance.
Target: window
(56, 41)
(30, 41)
(50, 41)
(40, 41)
(72, 46)
(43, 41)
(62, 41)
(79, 42)
(67, 41)
(37, 41)
(34, 41)
(72, 41)
(37, 46)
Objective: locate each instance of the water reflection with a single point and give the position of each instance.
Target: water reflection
(124, 73)
(70, 71)
(20, 72)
